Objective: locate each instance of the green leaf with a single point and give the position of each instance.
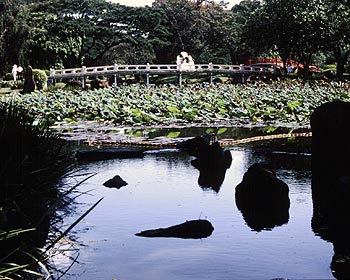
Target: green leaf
(221, 130)
(173, 134)
(173, 109)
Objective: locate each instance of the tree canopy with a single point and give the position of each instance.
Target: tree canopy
(72, 33)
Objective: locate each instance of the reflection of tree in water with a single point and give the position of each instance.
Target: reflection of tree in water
(32, 202)
(262, 198)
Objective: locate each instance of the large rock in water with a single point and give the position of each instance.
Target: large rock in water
(194, 229)
(262, 198)
(330, 124)
(116, 182)
(105, 154)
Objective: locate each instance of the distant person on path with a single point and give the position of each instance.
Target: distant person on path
(16, 69)
(289, 69)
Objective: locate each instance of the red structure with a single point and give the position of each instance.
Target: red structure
(278, 62)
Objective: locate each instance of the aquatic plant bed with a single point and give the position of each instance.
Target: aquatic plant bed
(279, 102)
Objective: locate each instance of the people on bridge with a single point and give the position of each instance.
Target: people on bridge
(185, 62)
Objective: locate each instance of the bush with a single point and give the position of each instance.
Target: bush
(6, 84)
(40, 78)
(17, 85)
(8, 77)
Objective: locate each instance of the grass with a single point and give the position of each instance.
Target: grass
(32, 199)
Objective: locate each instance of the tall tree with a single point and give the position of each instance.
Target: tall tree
(91, 32)
(13, 34)
(310, 34)
(197, 27)
(244, 38)
(338, 33)
(295, 28)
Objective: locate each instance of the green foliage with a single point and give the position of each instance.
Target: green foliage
(17, 85)
(14, 32)
(66, 34)
(33, 198)
(8, 77)
(6, 84)
(289, 102)
(40, 78)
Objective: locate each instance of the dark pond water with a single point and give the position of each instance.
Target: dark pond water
(163, 190)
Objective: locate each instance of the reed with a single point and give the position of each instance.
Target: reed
(33, 197)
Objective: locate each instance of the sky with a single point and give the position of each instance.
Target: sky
(138, 3)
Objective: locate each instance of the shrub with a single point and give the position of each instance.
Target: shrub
(8, 77)
(6, 84)
(40, 78)
(17, 85)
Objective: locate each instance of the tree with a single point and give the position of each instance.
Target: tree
(310, 34)
(295, 28)
(91, 32)
(243, 37)
(198, 27)
(338, 33)
(13, 34)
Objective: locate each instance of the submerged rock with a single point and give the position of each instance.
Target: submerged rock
(194, 229)
(115, 182)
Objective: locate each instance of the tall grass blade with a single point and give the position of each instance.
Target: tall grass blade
(74, 224)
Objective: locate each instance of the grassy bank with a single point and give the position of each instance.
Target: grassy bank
(33, 199)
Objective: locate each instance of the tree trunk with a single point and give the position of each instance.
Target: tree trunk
(341, 59)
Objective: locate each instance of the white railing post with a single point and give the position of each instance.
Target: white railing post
(243, 72)
(210, 72)
(52, 74)
(115, 75)
(147, 74)
(83, 80)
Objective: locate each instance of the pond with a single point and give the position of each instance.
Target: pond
(163, 190)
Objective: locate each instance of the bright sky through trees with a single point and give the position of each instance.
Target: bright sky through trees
(149, 2)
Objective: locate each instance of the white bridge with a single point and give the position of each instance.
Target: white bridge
(156, 69)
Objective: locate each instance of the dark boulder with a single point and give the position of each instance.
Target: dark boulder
(262, 198)
(116, 182)
(330, 124)
(194, 229)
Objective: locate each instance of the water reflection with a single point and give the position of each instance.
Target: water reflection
(211, 160)
(162, 190)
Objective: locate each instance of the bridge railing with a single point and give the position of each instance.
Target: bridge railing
(152, 69)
